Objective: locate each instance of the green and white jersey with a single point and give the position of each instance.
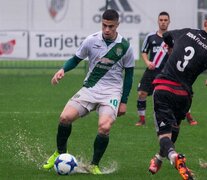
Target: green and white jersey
(106, 63)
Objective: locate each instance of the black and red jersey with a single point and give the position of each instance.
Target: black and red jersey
(156, 48)
(188, 58)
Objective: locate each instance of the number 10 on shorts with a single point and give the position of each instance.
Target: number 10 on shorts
(114, 102)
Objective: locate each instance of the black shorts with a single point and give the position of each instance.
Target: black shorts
(170, 109)
(146, 81)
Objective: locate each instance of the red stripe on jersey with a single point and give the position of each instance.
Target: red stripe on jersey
(165, 81)
(160, 55)
(158, 58)
(174, 91)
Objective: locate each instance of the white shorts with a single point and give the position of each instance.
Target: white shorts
(85, 101)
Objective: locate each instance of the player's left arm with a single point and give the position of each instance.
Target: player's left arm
(128, 80)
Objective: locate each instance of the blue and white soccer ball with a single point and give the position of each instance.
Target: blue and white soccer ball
(65, 164)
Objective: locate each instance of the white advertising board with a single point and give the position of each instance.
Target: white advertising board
(14, 44)
(14, 14)
(56, 27)
(63, 45)
(139, 15)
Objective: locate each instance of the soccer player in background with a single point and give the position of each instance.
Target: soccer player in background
(158, 55)
(103, 88)
(173, 92)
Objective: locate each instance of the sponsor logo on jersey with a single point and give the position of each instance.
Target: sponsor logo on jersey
(96, 46)
(105, 61)
(57, 9)
(160, 55)
(7, 47)
(197, 40)
(155, 49)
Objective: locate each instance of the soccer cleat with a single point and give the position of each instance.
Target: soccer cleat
(185, 173)
(193, 122)
(155, 165)
(94, 169)
(140, 123)
(51, 161)
(190, 119)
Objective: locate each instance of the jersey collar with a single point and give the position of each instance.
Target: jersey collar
(117, 40)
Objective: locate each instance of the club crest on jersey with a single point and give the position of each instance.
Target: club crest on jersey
(57, 9)
(119, 51)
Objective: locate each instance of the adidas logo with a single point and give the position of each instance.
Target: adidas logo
(154, 42)
(162, 124)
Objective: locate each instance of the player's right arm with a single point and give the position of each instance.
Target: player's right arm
(148, 63)
(145, 51)
(69, 65)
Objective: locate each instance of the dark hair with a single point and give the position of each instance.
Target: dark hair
(164, 13)
(110, 14)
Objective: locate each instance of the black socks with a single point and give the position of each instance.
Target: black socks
(100, 145)
(64, 131)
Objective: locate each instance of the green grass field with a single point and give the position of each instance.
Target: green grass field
(29, 112)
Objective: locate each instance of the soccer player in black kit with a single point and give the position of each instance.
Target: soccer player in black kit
(158, 55)
(154, 55)
(173, 92)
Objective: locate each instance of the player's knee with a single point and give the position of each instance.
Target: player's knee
(65, 119)
(104, 128)
(142, 95)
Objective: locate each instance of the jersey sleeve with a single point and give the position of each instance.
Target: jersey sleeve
(145, 45)
(171, 36)
(128, 59)
(127, 85)
(82, 51)
(71, 63)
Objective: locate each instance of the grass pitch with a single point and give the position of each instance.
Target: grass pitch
(29, 110)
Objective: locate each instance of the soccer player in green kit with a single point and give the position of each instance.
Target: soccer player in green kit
(104, 89)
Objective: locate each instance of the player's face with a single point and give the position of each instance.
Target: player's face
(109, 29)
(163, 22)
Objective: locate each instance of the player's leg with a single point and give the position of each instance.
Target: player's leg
(145, 88)
(141, 107)
(64, 129)
(164, 103)
(69, 114)
(175, 133)
(75, 108)
(190, 119)
(156, 161)
(178, 160)
(106, 119)
(163, 123)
